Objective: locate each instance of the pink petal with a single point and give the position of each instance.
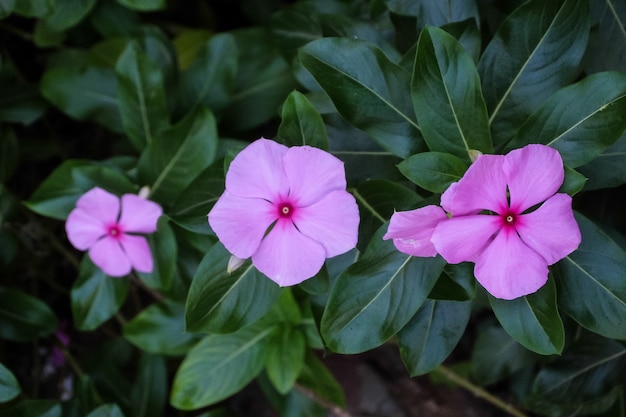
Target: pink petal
(333, 221)
(412, 231)
(107, 254)
(257, 171)
(462, 239)
(483, 187)
(83, 230)
(312, 173)
(533, 173)
(138, 252)
(551, 230)
(100, 204)
(240, 223)
(139, 215)
(509, 269)
(287, 256)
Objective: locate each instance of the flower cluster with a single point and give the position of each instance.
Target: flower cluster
(505, 215)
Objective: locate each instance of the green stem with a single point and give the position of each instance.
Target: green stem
(365, 204)
(68, 356)
(331, 407)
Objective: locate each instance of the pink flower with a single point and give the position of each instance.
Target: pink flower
(106, 225)
(287, 208)
(504, 215)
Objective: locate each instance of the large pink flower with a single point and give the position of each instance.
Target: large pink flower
(107, 226)
(287, 208)
(491, 218)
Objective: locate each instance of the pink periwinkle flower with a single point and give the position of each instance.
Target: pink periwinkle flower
(108, 226)
(287, 209)
(505, 215)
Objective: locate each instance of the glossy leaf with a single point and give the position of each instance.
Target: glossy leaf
(149, 391)
(285, 358)
(433, 171)
(533, 320)
(9, 387)
(457, 283)
(447, 97)
(367, 89)
(320, 380)
(68, 14)
(391, 286)
(143, 5)
(106, 410)
(33, 408)
(165, 253)
(607, 169)
(24, 317)
(467, 33)
(95, 296)
(301, 123)
(595, 270)
(573, 182)
(581, 120)
(219, 366)
(609, 24)
(434, 13)
(535, 52)
(432, 333)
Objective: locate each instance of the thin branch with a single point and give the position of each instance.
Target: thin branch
(68, 356)
(332, 408)
(155, 294)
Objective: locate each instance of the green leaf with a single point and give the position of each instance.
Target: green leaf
(219, 366)
(9, 387)
(391, 287)
(143, 5)
(301, 123)
(84, 399)
(160, 329)
(222, 302)
(188, 44)
(433, 171)
(84, 94)
(607, 169)
(457, 283)
(95, 296)
(141, 96)
(34, 8)
(533, 320)
(447, 96)
(178, 154)
(165, 253)
(580, 120)
(106, 410)
(437, 13)
(432, 333)
(320, 380)
(367, 89)
(535, 52)
(285, 358)
(150, 388)
(595, 270)
(468, 35)
(609, 28)
(21, 104)
(68, 13)
(573, 182)
(6, 7)
(56, 196)
(23, 317)
(33, 408)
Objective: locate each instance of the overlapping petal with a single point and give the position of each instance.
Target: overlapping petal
(411, 231)
(551, 230)
(462, 239)
(83, 230)
(138, 252)
(139, 215)
(240, 223)
(100, 204)
(287, 256)
(107, 254)
(332, 221)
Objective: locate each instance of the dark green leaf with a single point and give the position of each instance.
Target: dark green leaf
(435, 13)
(607, 169)
(433, 171)
(431, 334)
(6, 7)
(84, 398)
(301, 123)
(106, 410)
(68, 13)
(23, 317)
(457, 283)
(316, 377)
(21, 104)
(223, 302)
(369, 90)
(150, 388)
(468, 35)
(95, 296)
(33, 408)
(165, 253)
(573, 182)
(535, 52)
(143, 5)
(447, 97)
(9, 387)
(34, 8)
(285, 358)
(188, 44)
(607, 43)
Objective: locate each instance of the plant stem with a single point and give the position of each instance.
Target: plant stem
(452, 376)
(155, 294)
(332, 408)
(367, 205)
(68, 356)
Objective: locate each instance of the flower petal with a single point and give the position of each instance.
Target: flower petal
(509, 269)
(83, 230)
(412, 231)
(483, 187)
(100, 204)
(551, 230)
(333, 221)
(287, 256)
(138, 252)
(533, 173)
(139, 215)
(257, 171)
(312, 173)
(461, 239)
(107, 254)
(240, 223)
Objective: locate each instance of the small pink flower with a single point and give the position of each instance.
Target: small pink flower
(287, 208)
(106, 225)
(491, 219)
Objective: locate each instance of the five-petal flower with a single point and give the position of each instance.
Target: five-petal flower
(107, 226)
(287, 209)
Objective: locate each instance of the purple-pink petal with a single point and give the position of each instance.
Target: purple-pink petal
(257, 171)
(107, 254)
(83, 230)
(100, 204)
(312, 173)
(533, 173)
(139, 215)
(412, 231)
(287, 256)
(138, 252)
(240, 223)
(551, 230)
(332, 221)
(509, 269)
(462, 239)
